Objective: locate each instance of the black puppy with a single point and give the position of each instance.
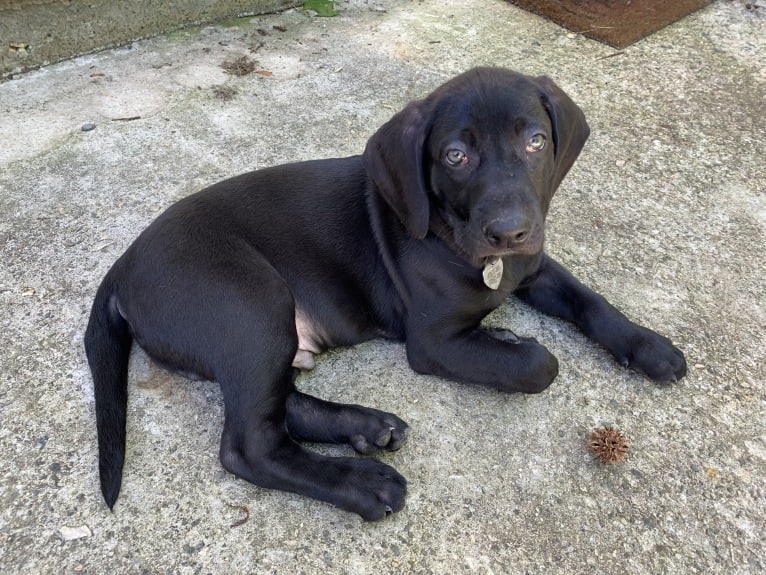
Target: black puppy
(417, 240)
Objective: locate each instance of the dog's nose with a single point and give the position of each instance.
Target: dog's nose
(508, 232)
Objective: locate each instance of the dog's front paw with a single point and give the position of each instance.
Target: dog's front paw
(653, 355)
(536, 369)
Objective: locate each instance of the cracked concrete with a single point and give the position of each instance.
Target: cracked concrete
(664, 213)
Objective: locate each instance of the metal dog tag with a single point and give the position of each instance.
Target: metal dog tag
(493, 273)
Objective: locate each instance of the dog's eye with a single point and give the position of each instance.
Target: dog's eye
(456, 157)
(536, 143)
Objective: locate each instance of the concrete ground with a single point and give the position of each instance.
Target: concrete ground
(34, 33)
(664, 213)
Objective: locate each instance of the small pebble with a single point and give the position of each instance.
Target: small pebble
(88, 126)
(72, 533)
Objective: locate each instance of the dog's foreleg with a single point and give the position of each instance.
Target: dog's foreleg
(557, 292)
(479, 356)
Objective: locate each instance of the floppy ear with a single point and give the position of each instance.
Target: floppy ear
(570, 130)
(393, 159)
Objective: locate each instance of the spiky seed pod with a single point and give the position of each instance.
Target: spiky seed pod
(608, 444)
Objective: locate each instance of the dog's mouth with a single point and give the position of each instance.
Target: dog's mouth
(480, 252)
(468, 238)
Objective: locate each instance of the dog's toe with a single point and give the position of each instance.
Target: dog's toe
(398, 437)
(384, 438)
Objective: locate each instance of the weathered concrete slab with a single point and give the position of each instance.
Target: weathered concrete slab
(39, 32)
(664, 213)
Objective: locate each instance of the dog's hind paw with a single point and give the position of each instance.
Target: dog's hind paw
(378, 430)
(372, 489)
(367, 430)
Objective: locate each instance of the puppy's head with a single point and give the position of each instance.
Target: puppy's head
(478, 161)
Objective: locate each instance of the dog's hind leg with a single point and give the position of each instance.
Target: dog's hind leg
(367, 430)
(255, 345)
(257, 447)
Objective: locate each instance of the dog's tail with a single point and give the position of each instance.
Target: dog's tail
(107, 344)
